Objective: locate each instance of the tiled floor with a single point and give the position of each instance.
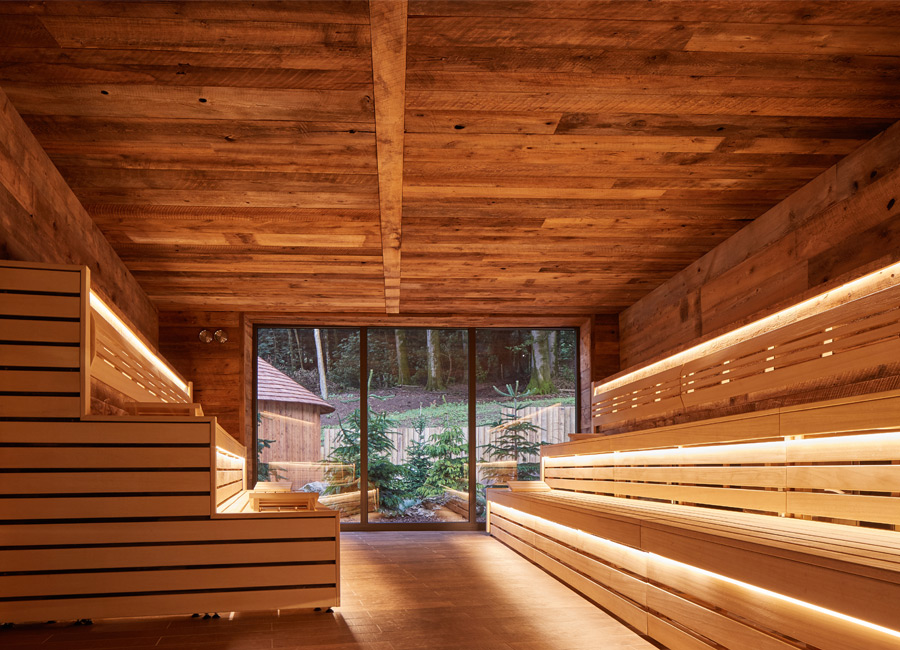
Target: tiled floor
(400, 591)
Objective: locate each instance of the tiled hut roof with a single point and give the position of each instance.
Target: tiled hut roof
(274, 385)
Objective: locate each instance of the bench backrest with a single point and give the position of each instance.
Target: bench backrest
(122, 361)
(837, 461)
(837, 338)
(59, 336)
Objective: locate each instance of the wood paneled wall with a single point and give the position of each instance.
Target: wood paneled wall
(42, 221)
(294, 429)
(598, 356)
(839, 226)
(215, 368)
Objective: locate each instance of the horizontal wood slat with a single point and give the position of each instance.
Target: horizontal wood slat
(22, 276)
(172, 604)
(52, 406)
(107, 458)
(212, 552)
(48, 331)
(707, 496)
(166, 579)
(42, 354)
(110, 431)
(105, 507)
(719, 610)
(61, 307)
(115, 516)
(81, 482)
(39, 381)
(852, 338)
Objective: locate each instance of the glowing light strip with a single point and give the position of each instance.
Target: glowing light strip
(782, 597)
(139, 345)
(609, 458)
(228, 454)
(717, 576)
(880, 280)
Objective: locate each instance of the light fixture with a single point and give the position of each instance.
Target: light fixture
(110, 317)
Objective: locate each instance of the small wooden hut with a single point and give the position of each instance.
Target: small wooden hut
(289, 418)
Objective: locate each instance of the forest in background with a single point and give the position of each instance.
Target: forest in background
(542, 361)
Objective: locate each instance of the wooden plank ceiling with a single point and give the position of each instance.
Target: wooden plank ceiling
(557, 157)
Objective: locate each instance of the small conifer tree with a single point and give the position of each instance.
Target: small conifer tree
(515, 439)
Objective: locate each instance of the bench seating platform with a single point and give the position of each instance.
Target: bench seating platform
(140, 508)
(764, 541)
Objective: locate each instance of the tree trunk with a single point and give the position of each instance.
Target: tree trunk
(320, 358)
(433, 343)
(554, 352)
(541, 382)
(402, 358)
(299, 348)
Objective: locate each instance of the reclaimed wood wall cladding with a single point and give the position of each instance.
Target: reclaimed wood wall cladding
(41, 220)
(598, 346)
(216, 369)
(841, 225)
(557, 157)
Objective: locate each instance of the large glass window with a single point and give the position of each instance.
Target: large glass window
(308, 420)
(418, 424)
(407, 426)
(525, 398)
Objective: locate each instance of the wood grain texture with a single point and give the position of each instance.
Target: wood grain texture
(215, 368)
(463, 587)
(387, 21)
(804, 245)
(43, 221)
(541, 157)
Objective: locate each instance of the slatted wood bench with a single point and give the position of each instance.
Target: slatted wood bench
(729, 532)
(127, 515)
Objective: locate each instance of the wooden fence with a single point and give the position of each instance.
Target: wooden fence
(555, 421)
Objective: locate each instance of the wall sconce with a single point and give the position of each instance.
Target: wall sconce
(206, 336)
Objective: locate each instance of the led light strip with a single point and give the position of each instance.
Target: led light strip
(681, 565)
(123, 329)
(608, 458)
(228, 454)
(874, 282)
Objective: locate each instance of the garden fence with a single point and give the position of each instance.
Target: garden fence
(555, 422)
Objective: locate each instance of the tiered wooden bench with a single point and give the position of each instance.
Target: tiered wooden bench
(734, 539)
(128, 515)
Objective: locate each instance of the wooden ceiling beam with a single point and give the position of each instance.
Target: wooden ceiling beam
(388, 24)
